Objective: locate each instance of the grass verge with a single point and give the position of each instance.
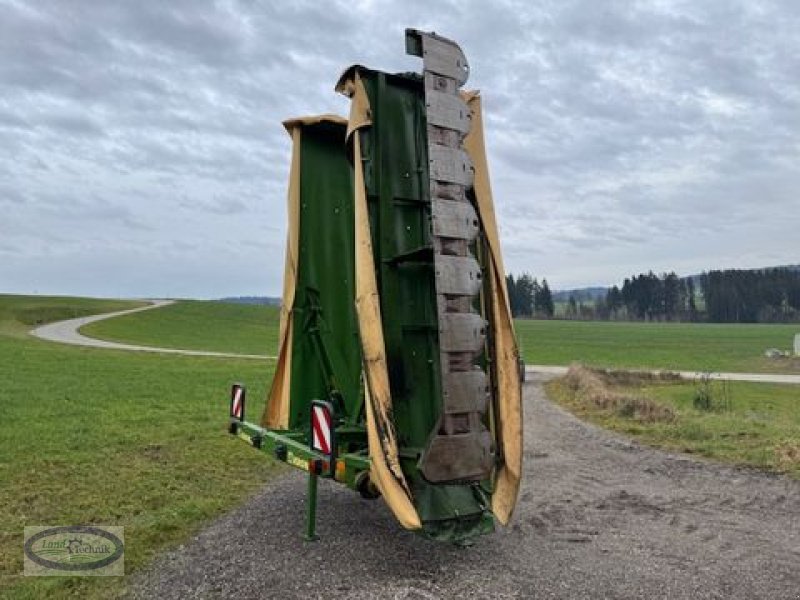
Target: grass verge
(751, 424)
(92, 436)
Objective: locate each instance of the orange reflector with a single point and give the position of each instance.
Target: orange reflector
(318, 466)
(340, 470)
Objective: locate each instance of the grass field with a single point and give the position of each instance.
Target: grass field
(251, 329)
(196, 325)
(749, 423)
(93, 436)
(681, 346)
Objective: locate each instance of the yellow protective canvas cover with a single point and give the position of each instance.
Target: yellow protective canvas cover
(385, 470)
(506, 351)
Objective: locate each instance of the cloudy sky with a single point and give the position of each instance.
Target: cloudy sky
(141, 150)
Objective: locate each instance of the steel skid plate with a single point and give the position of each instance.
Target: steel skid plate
(466, 392)
(451, 165)
(447, 111)
(458, 276)
(460, 456)
(461, 446)
(440, 55)
(454, 219)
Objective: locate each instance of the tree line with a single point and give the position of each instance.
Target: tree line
(740, 296)
(650, 297)
(529, 298)
(718, 296)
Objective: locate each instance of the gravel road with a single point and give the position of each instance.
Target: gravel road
(598, 517)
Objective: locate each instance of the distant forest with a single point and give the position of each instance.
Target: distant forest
(729, 296)
(529, 298)
(262, 300)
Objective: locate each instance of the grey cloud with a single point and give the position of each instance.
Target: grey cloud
(6, 248)
(11, 195)
(622, 136)
(223, 206)
(73, 125)
(9, 120)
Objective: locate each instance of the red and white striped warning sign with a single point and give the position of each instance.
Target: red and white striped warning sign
(237, 402)
(321, 428)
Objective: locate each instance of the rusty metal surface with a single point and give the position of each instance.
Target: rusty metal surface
(461, 448)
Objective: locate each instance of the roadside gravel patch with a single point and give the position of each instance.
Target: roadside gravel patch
(598, 517)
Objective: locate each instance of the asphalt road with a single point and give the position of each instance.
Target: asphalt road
(598, 517)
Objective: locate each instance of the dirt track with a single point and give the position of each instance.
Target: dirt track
(598, 517)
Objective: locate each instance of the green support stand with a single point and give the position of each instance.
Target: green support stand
(311, 515)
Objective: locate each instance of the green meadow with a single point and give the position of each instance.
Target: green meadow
(91, 436)
(677, 346)
(197, 325)
(248, 329)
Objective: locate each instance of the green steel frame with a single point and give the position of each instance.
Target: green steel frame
(292, 447)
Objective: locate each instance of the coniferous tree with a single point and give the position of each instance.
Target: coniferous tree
(511, 287)
(671, 286)
(525, 289)
(572, 307)
(545, 304)
(692, 305)
(614, 302)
